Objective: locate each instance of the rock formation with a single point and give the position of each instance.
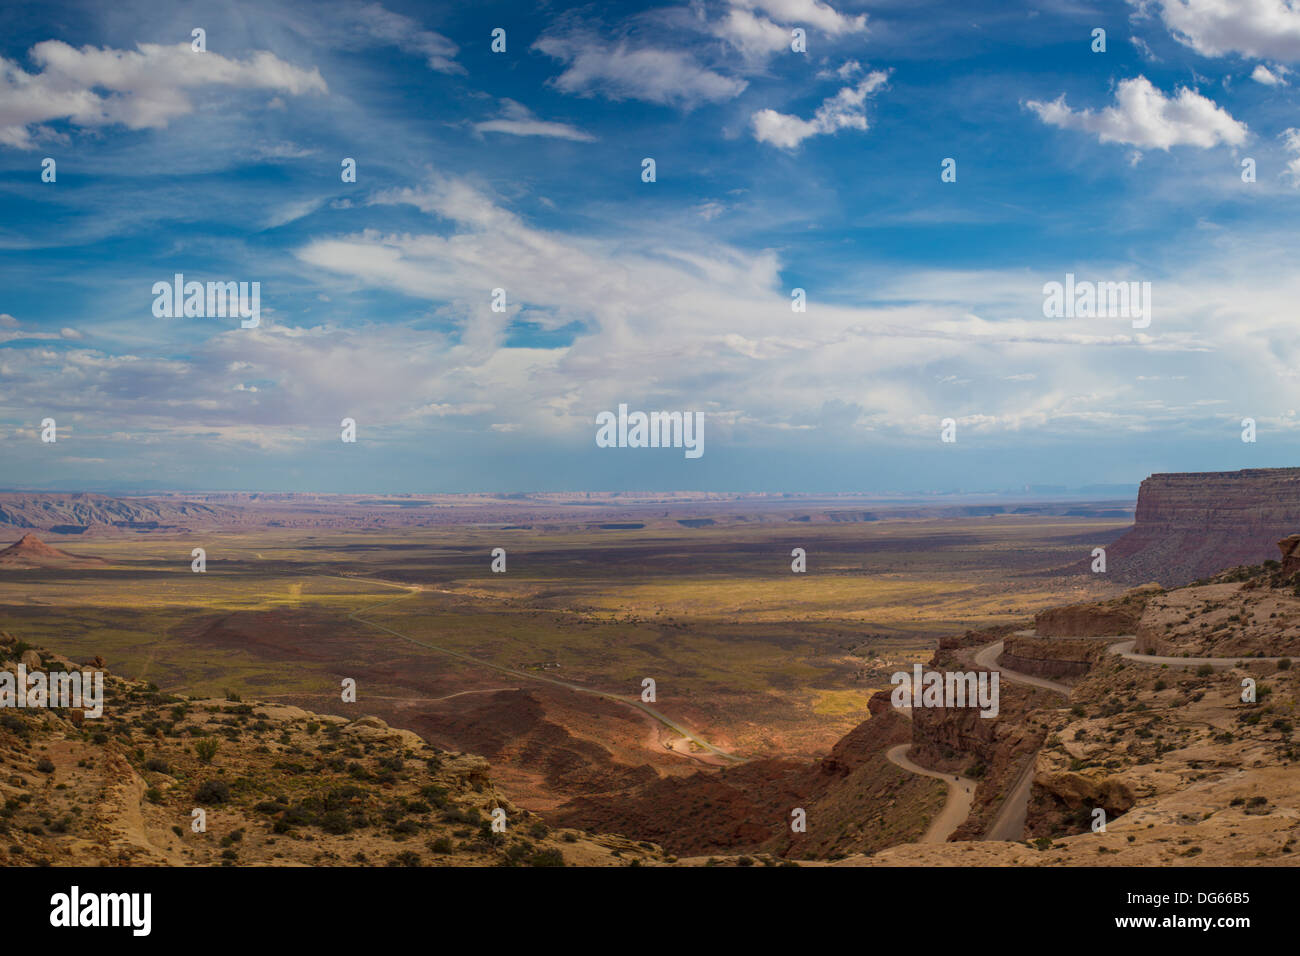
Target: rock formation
(1192, 525)
(31, 552)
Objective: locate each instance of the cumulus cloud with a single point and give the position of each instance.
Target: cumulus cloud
(142, 88)
(1144, 117)
(517, 120)
(754, 36)
(847, 109)
(1264, 29)
(813, 13)
(1273, 77)
(623, 72)
(760, 28)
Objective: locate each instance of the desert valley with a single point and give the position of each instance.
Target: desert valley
(657, 679)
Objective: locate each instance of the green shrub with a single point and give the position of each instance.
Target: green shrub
(206, 748)
(212, 791)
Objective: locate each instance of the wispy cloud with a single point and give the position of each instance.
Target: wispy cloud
(621, 71)
(517, 120)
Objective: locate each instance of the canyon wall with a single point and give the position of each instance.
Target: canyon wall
(1191, 525)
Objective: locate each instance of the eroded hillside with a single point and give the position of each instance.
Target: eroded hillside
(277, 786)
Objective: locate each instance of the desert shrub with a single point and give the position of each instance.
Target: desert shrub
(158, 765)
(459, 815)
(554, 857)
(336, 822)
(212, 791)
(405, 828)
(441, 845)
(206, 748)
(45, 765)
(435, 794)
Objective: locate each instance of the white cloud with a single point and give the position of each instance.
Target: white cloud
(847, 109)
(812, 13)
(754, 36)
(621, 72)
(757, 37)
(1273, 77)
(292, 212)
(1264, 29)
(1143, 116)
(517, 120)
(144, 88)
(1291, 142)
(684, 321)
(376, 23)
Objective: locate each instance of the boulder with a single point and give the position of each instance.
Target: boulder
(1290, 548)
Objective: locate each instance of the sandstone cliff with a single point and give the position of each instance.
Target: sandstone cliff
(1191, 525)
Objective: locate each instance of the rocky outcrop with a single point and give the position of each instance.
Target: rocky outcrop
(30, 552)
(1290, 548)
(1100, 619)
(1086, 620)
(1192, 525)
(1053, 659)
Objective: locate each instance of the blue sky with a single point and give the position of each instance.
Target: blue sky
(521, 170)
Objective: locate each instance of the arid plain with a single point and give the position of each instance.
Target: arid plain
(541, 668)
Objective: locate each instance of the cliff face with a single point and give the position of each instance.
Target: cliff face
(1053, 659)
(1192, 525)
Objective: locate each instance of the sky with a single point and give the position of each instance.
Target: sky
(783, 161)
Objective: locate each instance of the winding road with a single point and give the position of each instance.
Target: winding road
(987, 657)
(1123, 646)
(961, 794)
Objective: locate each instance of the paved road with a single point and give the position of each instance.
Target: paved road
(633, 702)
(961, 794)
(987, 657)
(1123, 644)
(1009, 824)
(1124, 648)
